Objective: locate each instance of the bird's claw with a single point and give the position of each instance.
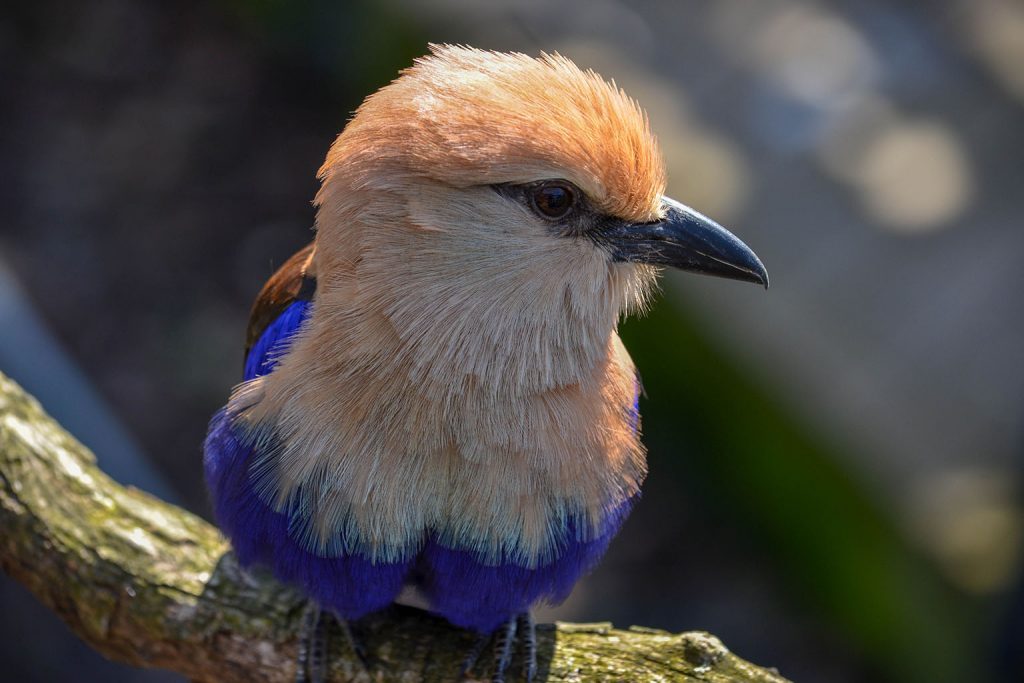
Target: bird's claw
(312, 659)
(528, 638)
(312, 645)
(353, 641)
(519, 627)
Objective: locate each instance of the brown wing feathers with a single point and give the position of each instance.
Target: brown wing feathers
(291, 282)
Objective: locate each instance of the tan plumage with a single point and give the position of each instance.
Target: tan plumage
(460, 372)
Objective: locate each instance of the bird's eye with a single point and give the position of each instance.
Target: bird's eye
(553, 200)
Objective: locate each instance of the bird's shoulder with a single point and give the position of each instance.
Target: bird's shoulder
(293, 281)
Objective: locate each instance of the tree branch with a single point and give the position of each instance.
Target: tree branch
(149, 584)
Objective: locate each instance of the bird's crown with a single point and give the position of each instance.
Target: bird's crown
(464, 117)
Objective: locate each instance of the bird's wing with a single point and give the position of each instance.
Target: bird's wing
(261, 530)
(280, 309)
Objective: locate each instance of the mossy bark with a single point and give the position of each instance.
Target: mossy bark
(152, 585)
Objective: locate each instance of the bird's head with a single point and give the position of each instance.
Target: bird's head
(501, 212)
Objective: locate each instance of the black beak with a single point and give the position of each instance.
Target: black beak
(688, 240)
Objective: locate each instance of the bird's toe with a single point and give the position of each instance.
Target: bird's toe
(518, 629)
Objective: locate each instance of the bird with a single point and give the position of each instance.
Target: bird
(434, 393)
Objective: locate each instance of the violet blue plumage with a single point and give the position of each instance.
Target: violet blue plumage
(275, 340)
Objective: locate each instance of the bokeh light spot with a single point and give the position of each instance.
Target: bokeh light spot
(816, 58)
(996, 29)
(915, 177)
(971, 522)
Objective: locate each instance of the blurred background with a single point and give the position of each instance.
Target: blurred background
(836, 464)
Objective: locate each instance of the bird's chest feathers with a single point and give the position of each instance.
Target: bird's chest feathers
(365, 460)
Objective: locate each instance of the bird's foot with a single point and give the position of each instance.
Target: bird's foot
(528, 638)
(312, 645)
(520, 626)
(312, 661)
(353, 640)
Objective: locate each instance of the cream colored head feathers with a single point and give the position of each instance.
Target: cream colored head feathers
(490, 289)
(460, 372)
(466, 117)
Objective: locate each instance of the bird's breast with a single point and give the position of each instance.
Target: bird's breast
(367, 462)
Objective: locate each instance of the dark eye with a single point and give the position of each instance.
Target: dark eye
(553, 200)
